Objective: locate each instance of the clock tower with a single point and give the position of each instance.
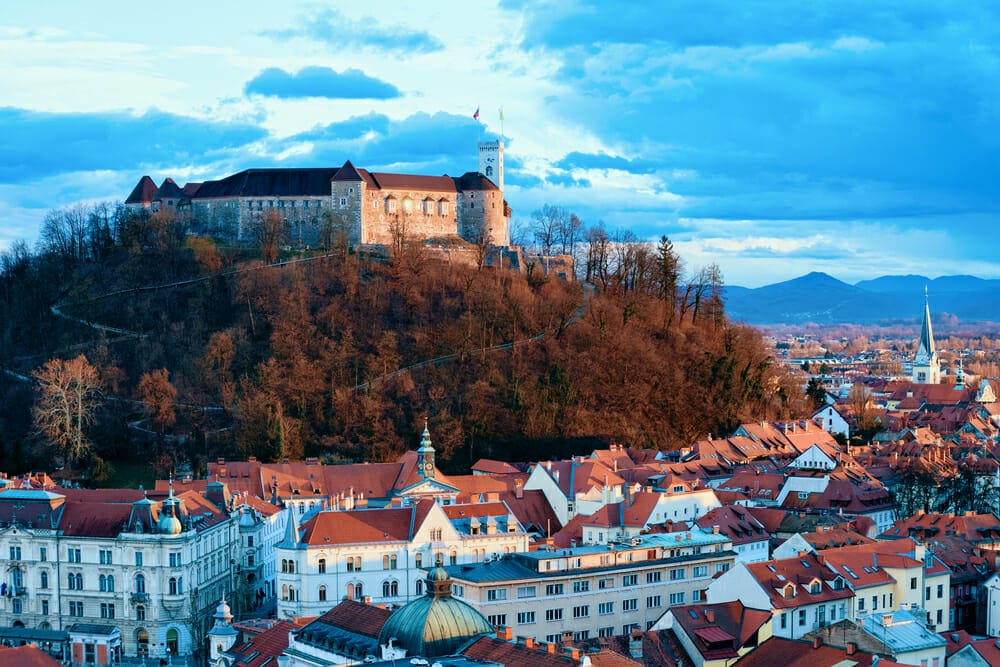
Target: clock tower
(425, 455)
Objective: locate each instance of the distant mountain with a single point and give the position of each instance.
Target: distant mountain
(819, 297)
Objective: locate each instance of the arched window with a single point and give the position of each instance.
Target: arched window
(418, 559)
(291, 593)
(385, 589)
(385, 562)
(360, 590)
(111, 583)
(172, 586)
(350, 591)
(140, 583)
(172, 641)
(394, 588)
(102, 583)
(489, 171)
(142, 643)
(453, 557)
(45, 579)
(140, 613)
(420, 586)
(322, 593)
(322, 565)
(392, 562)
(291, 567)
(284, 591)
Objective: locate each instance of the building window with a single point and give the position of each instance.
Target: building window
(581, 586)
(606, 583)
(606, 632)
(322, 593)
(453, 557)
(802, 616)
(107, 610)
(581, 611)
(107, 583)
(175, 559)
(390, 589)
(105, 557)
(496, 594)
(553, 589)
(553, 614)
(676, 574)
(140, 613)
(940, 617)
(654, 601)
(140, 583)
(75, 608)
(172, 588)
(654, 577)
(138, 559)
(15, 553)
(526, 591)
(927, 593)
(525, 617)
(73, 555)
(784, 620)
(630, 605)
(940, 591)
(17, 606)
(354, 563)
(420, 587)
(343, 202)
(45, 607)
(497, 619)
(443, 207)
(43, 554)
(913, 583)
(676, 598)
(700, 571)
(322, 566)
(606, 608)
(45, 579)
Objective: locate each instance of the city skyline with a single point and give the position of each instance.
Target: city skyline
(771, 140)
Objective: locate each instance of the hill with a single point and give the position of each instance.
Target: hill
(205, 353)
(821, 298)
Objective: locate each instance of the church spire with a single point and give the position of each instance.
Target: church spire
(425, 455)
(926, 369)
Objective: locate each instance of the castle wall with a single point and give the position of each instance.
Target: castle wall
(423, 214)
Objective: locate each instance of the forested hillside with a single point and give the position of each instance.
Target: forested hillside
(203, 351)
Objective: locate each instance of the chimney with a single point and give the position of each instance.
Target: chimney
(817, 642)
(505, 633)
(551, 647)
(529, 642)
(519, 489)
(851, 648)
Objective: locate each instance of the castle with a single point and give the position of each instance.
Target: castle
(373, 208)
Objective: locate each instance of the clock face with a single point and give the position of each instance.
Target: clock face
(428, 466)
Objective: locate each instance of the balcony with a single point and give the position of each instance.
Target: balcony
(139, 598)
(18, 591)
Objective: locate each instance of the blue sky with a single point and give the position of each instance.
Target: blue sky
(856, 137)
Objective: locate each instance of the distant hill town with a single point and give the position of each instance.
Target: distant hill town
(821, 298)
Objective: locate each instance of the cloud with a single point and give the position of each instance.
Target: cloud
(351, 84)
(40, 144)
(331, 27)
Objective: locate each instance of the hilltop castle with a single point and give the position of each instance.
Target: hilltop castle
(372, 207)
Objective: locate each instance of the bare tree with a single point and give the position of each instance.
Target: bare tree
(272, 231)
(547, 225)
(69, 395)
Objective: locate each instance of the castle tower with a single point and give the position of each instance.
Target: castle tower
(926, 369)
(491, 162)
(425, 455)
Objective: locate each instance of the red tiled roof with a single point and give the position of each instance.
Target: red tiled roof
(735, 522)
(533, 509)
(365, 525)
(792, 653)
(363, 619)
(268, 644)
(27, 656)
(775, 575)
(493, 467)
(491, 649)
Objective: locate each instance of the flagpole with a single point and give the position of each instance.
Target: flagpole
(502, 137)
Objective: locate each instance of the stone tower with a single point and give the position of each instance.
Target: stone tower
(926, 369)
(491, 162)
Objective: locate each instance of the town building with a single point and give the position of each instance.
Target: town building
(594, 591)
(381, 553)
(926, 366)
(115, 559)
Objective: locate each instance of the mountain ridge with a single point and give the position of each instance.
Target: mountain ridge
(824, 299)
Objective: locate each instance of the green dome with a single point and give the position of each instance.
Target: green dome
(436, 624)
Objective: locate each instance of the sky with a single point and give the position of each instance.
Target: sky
(855, 137)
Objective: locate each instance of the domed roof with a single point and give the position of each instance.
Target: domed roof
(436, 624)
(169, 525)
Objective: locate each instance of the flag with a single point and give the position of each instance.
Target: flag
(476, 115)
(501, 113)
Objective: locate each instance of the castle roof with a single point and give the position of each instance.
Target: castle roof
(310, 182)
(169, 190)
(143, 192)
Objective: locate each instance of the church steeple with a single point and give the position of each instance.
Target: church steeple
(425, 455)
(926, 369)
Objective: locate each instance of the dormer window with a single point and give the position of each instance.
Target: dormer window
(788, 592)
(815, 587)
